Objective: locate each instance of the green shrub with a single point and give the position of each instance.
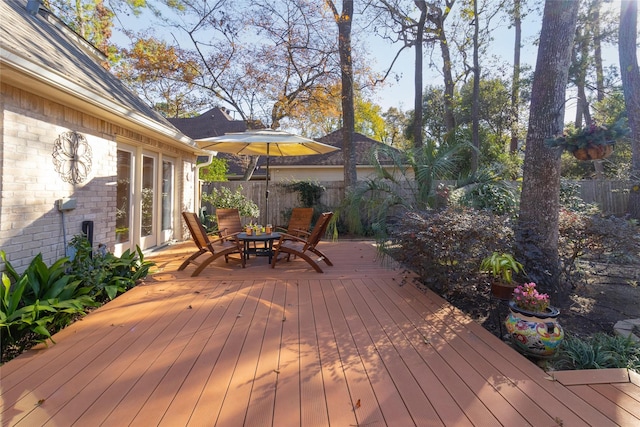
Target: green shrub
(500, 197)
(309, 192)
(41, 300)
(446, 247)
(104, 273)
(571, 200)
(223, 198)
(598, 352)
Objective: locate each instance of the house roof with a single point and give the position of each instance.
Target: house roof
(41, 54)
(363, 146)
(215, 122)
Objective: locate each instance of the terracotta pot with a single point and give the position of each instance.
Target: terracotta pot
(501, 290)
(593, 152)
(535, 334)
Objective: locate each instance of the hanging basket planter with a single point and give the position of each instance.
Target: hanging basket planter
(594, 152)
(592, 142)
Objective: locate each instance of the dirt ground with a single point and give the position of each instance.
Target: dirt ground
(611, 293)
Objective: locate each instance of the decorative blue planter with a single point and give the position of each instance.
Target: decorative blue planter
(535, 334)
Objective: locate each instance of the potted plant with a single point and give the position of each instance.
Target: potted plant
(502, 267)
(532, 323)
(591, 142)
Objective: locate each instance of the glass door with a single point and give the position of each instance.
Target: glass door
(148, 203)
(124, 208)
(168, 197)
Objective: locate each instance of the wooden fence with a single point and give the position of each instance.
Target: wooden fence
(281, 199)
(610, 196)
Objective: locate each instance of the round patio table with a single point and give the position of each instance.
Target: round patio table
(267, 250)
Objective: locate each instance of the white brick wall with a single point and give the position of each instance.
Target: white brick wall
(30, 222)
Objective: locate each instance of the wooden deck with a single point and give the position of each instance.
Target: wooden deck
(291, 347)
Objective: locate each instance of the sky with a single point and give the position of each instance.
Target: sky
(398, 92)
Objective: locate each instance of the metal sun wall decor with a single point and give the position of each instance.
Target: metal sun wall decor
(72, 157)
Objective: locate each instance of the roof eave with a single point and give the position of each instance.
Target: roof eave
(27, 75)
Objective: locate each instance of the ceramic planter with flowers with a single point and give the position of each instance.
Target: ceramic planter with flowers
(532, 323)
(591, 142)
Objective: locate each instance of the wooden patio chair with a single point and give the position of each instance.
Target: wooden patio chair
(299, 223)
(293, 245)
(216, 248)
(229, 223)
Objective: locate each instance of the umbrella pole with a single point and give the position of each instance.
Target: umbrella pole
(266, 196)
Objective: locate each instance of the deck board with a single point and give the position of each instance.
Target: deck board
(357, 345)
(336, 390)
(287, 405)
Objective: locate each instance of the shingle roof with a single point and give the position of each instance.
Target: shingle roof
(215, 122)
(63, 59)
(363, 145)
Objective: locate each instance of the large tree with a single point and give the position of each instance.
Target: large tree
(628, 52)
(395, 22)
(262, 59)
(516, 16)
(537, 226)
(161, 74)
(344, 21)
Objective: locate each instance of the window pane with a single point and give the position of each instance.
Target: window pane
(123, 196)
(147, 195)
(167, 195)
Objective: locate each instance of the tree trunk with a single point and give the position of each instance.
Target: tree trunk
(437, 16)
(630, 75)
(515, 84)
(597, 49)
(537, 226)
(417, 102)
(475, 103)
(251, 167)
(449, 86)
(344, 21)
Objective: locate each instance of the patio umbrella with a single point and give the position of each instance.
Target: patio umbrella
(265, 142)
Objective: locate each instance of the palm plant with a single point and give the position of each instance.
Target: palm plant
(403, 181)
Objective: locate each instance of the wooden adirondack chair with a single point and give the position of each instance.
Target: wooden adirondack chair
(216, 248)
(304, 248)
(299, 222)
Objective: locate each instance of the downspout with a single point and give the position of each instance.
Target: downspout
(197, 193)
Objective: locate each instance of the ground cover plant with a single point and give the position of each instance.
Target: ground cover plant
(44, 299)
(599, 351)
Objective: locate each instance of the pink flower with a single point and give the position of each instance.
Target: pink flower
(528, 298)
